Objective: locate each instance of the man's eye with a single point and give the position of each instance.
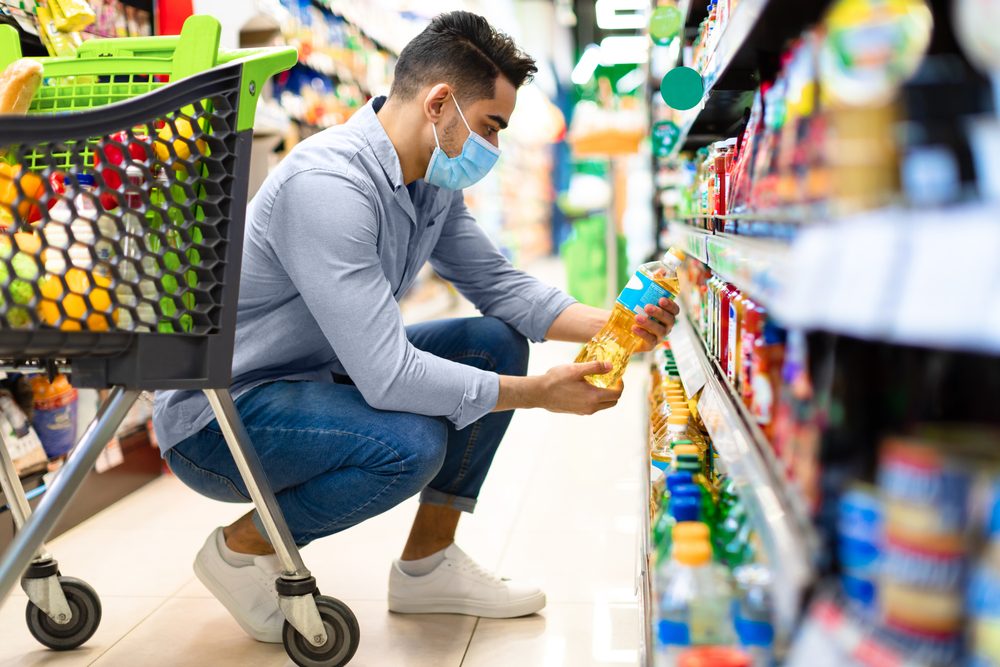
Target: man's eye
(490, 131)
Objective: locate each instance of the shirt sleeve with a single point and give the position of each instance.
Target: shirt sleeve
(465, 256)
(323, 229)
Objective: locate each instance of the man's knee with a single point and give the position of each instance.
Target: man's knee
(422, 444)
(507, 346)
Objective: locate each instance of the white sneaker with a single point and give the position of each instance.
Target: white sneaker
(247, 592)
(459, 585)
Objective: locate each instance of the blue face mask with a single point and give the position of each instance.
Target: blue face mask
(457, 173)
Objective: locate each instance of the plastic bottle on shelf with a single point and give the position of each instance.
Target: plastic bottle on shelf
(684, 506)
(753, 613)
(694, 597)
(753, 329)
(616, 342)
(733, 351)
(722, 348)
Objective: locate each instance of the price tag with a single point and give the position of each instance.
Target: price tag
(945, 308)
(686, 355)
(864, 276)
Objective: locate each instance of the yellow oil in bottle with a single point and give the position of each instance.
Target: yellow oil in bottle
(615, 343)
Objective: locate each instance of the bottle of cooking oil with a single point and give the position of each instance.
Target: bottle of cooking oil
(616, 342)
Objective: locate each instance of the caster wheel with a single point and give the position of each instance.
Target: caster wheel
(86, 609)
(342, 637)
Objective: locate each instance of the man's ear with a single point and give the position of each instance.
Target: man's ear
(434, 101)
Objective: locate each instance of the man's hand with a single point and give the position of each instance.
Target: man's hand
(561, 389)
(653, 325)
(565, 389)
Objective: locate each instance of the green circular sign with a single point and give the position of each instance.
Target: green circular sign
(664, 25)
(682, 88)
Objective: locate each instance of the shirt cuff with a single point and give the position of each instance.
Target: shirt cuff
(543, 313)
(482, 390)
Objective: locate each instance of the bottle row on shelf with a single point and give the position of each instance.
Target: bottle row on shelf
(912, 525)
(830, 134)
(711, 593)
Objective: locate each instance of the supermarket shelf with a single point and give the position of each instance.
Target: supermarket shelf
(754, 265)
(749, 46)
(896, 278)
(786, 533)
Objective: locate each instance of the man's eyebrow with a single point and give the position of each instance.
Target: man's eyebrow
(498, 120)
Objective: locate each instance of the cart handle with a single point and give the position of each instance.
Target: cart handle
(195, 50)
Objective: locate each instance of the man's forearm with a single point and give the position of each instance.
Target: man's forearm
(578, 323)
(518, 393)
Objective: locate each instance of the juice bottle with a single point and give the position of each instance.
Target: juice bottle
(616, 342)
(712, 314)
(753, 328)
(725, 297)
(733, 353)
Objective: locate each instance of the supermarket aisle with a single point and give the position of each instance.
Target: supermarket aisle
(560, 506)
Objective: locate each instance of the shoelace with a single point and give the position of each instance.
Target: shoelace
(471, 566)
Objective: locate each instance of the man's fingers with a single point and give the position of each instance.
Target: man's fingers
(645, 335)
(653, 324)
(592, 368)
(670, 306)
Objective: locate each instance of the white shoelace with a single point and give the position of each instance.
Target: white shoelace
(466, 564)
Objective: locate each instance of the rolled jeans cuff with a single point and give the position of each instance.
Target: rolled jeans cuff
(431, 496)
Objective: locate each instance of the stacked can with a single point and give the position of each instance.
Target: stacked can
(859, 546)
(925, 549)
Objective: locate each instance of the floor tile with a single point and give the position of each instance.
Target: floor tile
(119, 615)
(195, 632)
(562, 635)
(573, 566)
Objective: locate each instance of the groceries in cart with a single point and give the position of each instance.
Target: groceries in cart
(109, 233)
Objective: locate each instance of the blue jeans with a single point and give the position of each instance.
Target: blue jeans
(333, 461)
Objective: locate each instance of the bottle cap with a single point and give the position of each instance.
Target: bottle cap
(685, 509)
(677, 420)
(676, 479)
(685, 441)
(688, 490)
(713, 656)
(687, 450)
(693, 551)
(85, 179)
(690, 530)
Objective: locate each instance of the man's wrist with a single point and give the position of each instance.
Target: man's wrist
(518, 392)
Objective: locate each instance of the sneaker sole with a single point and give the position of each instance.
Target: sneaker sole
(457, 606)
(222, 595)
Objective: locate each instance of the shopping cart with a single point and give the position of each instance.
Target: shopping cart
(122, 202)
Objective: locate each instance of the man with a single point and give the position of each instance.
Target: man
(351, 412)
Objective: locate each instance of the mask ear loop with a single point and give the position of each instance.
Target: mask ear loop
(434, 130)
(460, 114)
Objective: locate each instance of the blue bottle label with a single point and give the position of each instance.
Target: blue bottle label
(642, 291)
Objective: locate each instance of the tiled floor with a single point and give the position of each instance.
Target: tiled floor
(560, 507)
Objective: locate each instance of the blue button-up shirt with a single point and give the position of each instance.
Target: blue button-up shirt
(333, 241)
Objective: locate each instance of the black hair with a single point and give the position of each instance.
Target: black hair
(465, 51)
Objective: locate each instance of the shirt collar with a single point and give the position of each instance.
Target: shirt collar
(367, 120)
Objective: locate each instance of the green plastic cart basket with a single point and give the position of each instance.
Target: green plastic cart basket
(122, 204)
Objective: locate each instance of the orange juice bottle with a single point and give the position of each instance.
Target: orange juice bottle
(615, 343)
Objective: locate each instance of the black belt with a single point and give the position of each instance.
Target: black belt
(342, 379)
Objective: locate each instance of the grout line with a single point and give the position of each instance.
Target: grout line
(129, 631)
(472, 634)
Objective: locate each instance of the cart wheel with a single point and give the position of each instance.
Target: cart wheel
(86, 609)
(342, 637)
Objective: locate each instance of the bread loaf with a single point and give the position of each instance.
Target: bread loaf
(18, 84)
